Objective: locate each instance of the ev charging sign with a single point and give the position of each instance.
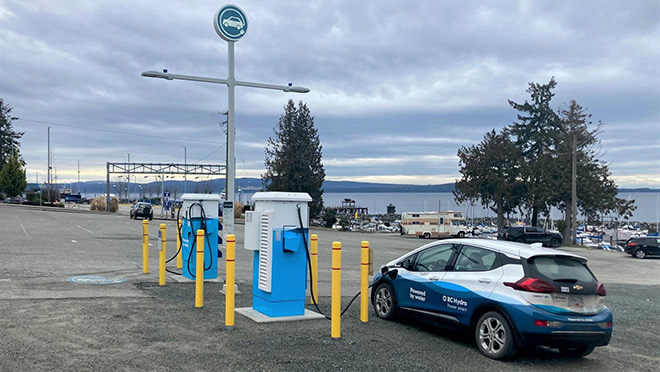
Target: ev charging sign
(230, 22)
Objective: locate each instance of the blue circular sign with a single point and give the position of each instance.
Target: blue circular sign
(230, 22)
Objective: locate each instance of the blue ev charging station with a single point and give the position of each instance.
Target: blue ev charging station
(200, 211)
(276, 231)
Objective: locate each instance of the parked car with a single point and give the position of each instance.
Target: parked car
(643, 246)
(142, 209)
(530, 234)
(508, 295)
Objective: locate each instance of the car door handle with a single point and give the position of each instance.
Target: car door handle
(484, 280)
(434, 278)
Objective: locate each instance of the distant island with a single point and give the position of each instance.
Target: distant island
(250, 185)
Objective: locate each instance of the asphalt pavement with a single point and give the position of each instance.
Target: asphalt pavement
(50, 323)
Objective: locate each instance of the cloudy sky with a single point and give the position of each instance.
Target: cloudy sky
(396, 87)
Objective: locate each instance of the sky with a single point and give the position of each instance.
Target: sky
(396, 87)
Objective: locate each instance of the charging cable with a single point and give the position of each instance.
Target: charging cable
(311, 287)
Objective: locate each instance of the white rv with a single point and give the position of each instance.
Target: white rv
(433, 224)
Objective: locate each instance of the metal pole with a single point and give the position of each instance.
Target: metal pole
(231, 163)
(199, 269)
(185, 170)
(574, 192)
(107, 187)
(162, 195)
(78, 176)
(230, 273)
(161, 254)
(128, 179)
(49, 166)
(335, 302)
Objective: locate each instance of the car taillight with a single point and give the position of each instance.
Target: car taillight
(632, 244)
(600, 290)
(532, 285)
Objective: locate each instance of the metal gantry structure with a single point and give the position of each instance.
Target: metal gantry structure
(160, 169)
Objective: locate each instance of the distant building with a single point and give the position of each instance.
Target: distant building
(350, 208)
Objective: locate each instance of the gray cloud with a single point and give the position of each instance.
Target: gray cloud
(397, 87)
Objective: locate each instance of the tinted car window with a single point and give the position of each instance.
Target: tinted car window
(556, 268)
(434, 258)
(475, 259)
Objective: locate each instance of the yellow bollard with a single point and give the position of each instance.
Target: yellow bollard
(145, 246)
(230, 281)
(335, 327)
(314, 248)
(364, 283)
(179, 256)
(161, 254)
(199, 270)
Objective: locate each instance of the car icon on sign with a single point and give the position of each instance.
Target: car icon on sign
(233, 22)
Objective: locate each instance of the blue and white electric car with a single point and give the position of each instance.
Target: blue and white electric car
(508, 294)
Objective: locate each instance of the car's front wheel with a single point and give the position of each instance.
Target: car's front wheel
(554, 242)
(384, 302)
(427, 235)
(577, 352)
(640, 253)
(461, 234)
(494, 336)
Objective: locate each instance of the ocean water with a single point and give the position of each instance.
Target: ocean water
(648, 204)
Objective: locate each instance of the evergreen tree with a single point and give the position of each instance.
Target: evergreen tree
(596, 191)
(491, 171)
(9, 145)
(537, 131)
(12, 177)
(293, 157)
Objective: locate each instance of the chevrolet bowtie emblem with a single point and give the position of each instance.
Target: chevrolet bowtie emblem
(577, 287)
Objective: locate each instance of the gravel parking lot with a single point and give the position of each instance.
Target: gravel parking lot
(49, 323)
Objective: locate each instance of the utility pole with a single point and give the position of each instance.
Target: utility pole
(78, 176)
(227, 163)
(574, 190)
(128, 179)
(185, 169)
(162, 195)
(49, 166)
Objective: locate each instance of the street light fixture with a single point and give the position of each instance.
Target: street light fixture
(167, 76)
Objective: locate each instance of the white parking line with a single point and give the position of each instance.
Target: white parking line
(84, 229)
(25, 231)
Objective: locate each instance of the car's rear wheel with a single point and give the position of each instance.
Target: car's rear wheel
(384, 302)
(640, 253)
(494, 336)
(554, 242)
(427, 235)
(520, 240)
(577, 352)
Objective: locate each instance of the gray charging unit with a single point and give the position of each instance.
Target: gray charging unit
(275, 231)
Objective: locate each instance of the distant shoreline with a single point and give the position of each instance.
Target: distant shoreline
(254, 184)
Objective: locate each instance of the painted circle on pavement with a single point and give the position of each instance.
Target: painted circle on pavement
(94, 279)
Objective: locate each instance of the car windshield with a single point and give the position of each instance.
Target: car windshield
(560, 269)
